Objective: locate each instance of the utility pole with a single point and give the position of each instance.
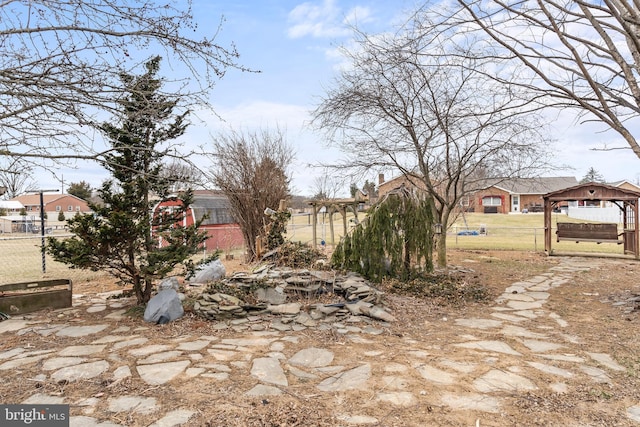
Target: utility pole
(43, 243)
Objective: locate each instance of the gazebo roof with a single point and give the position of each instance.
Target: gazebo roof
(592, 191)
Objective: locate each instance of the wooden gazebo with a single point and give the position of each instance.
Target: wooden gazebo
(626, 200)
(341, 206)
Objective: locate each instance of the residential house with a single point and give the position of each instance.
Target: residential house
(214, 209)
(508, 195)
(68, 204)
(517, 195)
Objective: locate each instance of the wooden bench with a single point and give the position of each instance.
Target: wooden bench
(584, 232)
(26, 297)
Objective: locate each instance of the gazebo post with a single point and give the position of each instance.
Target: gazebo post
(315, 223)
(547, 226)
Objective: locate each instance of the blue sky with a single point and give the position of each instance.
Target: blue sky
(293, 44)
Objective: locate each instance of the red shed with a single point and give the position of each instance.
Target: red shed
(224, 232)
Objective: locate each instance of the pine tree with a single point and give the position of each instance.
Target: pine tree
(122, 236)
(592, 175)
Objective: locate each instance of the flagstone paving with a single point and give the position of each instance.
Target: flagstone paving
(507, 358)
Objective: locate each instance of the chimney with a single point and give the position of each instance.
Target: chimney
(380, 178)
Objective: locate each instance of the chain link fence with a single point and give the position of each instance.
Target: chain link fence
(21, 256)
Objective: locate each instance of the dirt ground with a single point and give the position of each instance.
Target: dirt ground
(597, 306)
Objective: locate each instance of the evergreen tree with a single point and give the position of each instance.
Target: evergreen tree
(122, 236)
(61, 216)
(592, 175)
(80, 189)
(395, 240)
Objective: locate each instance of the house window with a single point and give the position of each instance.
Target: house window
(58, 208)
(70, 208)
(465, 201)
(492, 201)
(516, 200)
(77, 208)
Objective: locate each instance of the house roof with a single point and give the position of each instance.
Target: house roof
(11, 204)
(34, 199)
(538, 185)
(214, 205)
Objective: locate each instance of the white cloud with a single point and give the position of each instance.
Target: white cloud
(325, 19)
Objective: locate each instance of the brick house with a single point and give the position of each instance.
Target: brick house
(509, 195)
(53, 205)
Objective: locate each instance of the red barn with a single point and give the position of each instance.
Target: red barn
(224, 232)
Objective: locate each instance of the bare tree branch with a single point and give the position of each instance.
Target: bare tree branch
(579, 54)
(62, 62)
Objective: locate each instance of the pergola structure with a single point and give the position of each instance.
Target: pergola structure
(626, 200)
(332, 206)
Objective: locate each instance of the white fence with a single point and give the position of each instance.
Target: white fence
(608, 214)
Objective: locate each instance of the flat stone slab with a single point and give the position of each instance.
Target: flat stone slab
(479, 323)
(11, 353)
(598, 375)
(607, 361)
(193, 345)
(160, 357)
(139, 404)
(353, 379)
(541, 346)
(15, 363)
(174, 418)
(61, 362)
(497, 380)
(82, 350)
(161, 373)
(84, 421)
(397, 398)
(493, 346)
(633, 413)
(552, 370)
(268, 370)
(508, 317)
(12, 325)
(150, 349)
(80, 331)
(264, 390)
(249, 342)
(517, 331)
(43, 399)
(436, 375)
(82, 371)
(471, 402)
(524, 305)
(312, 358)
(358, 420)
(130, 343)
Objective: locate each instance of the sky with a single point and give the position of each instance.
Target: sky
(294, 46)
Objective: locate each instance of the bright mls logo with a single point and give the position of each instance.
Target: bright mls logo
(34, 415)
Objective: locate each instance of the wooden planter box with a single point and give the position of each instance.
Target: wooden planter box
(27, 297)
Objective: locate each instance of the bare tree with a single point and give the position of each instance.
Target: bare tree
(252, 170)
(183, 174)
(407, 103)
(15, 176)
(325, 186)
(62, 62)
(584, 55)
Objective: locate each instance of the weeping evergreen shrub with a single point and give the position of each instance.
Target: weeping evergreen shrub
(395, 240)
